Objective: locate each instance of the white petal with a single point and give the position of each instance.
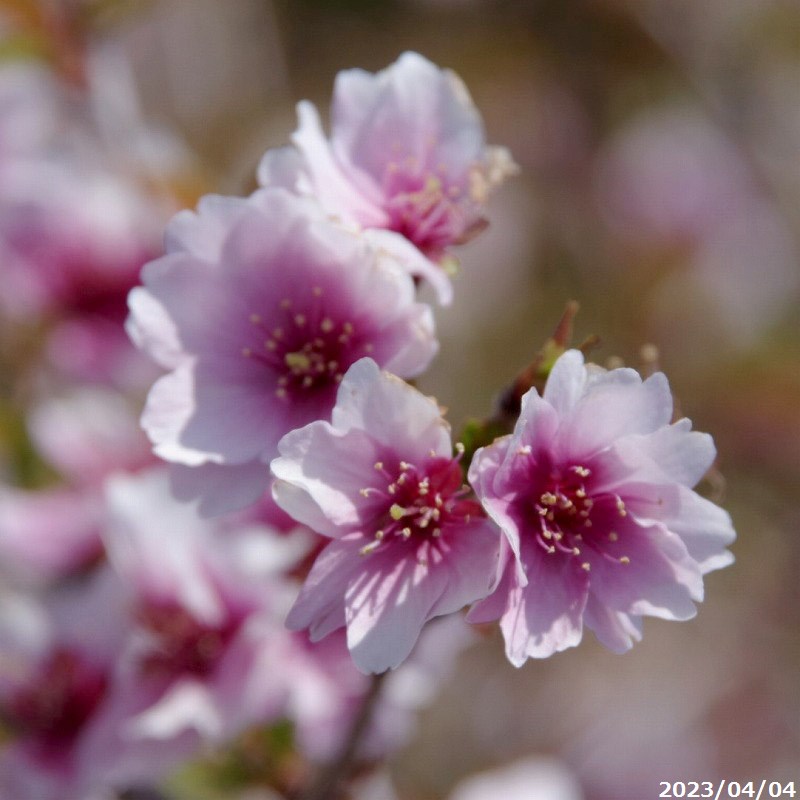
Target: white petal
(393, 412)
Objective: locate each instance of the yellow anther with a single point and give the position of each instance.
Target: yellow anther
(297, 362)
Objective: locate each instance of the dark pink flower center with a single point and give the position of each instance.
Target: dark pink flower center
(180, 644)
(426, 207)
(420, 503)
(568, 517)
(307, 345)
(52, 709)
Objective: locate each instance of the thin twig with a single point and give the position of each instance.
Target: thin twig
(326, 785)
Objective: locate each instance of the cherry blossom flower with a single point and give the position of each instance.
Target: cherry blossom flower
(205, 630)
(593, 494)
(55, 677)
(409, 545)
(73, 239)
(258, 308)
(407, 161)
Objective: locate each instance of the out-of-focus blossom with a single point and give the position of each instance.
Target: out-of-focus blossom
(528, 779)
(258, 308)
(670, 181)
(72, 237)
(669, 177)
(381, 481)
(87, 434)
(55, 675)
(593, 493)
(206, 641)
(407, 161)
(51, 533)
(746, 271)
(48, 534)
(72, 241)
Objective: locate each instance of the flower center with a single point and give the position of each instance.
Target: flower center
(54, 707)
(307, 348)
(179, 644)
(426, 206)
(419, 504)
(569, 517)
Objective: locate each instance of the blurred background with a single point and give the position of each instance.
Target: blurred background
(659, 147)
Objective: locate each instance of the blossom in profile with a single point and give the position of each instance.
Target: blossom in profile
(407, 161)
(593, 491)
(408, 543)
(258, 308)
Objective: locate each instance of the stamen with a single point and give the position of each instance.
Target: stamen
(297, 362)
(369, 548)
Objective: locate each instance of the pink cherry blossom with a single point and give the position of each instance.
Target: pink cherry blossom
(593, 494)
(207, 625)
(55, 679)
(408, 544)
(73, 238)
(407, 161)
(258, 308)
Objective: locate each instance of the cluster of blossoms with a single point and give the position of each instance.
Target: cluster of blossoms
(288, 320)
(315, 514)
